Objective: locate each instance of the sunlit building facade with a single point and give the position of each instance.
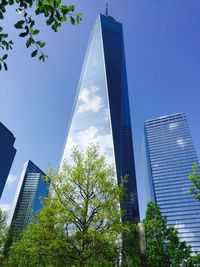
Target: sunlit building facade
(170, 155)
(7, 154)
(31, 190)
(101, 113)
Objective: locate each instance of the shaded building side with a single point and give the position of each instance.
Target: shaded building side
(7, 154)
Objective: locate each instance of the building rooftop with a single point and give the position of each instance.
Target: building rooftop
(165, 118)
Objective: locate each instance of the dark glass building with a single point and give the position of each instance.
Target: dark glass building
(101, 113)
(170, 155)
(28, 199)
(7, 154)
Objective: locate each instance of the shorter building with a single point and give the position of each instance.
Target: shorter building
(31, 190)
(170, 154)
(7, 154)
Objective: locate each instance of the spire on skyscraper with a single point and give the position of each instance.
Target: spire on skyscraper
(106, 13)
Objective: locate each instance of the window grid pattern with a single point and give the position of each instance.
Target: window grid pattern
(29, 201)
(170, 156)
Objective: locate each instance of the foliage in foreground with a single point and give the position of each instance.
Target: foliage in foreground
(55, 13)
(163, 246)
(80, 224)
(194, 177)
(3, 233)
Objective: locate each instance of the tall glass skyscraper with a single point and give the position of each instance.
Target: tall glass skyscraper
(170, 155)
(101, 113)
(28, 199)
(7, 154)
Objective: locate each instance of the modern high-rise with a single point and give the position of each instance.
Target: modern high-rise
(101, 113)
(7, 154)
(170, 155)
(31, 190)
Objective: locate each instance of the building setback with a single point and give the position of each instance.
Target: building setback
(28, 199)
(7, 154)
(101, 113)
(170, 155)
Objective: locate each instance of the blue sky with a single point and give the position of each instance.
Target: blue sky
(162, 46)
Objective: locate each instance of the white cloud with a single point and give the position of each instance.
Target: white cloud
(186, 231)
(70, 144)
(92, 135)
(173, 125)
(87, 136)
(88, 101)
(179, 226)
(105, 142)
(5, 207)
(181, 142)
(11, 179)
(106, 114)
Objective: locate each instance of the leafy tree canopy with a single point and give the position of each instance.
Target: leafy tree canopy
(163, 246)
(3, 232)
(55, 13)
(194, 177)
(80, 224)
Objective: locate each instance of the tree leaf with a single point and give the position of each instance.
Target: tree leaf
(35, 32)
(23, 34)
(2, 8)
(64, 18)
(1, 15)
(29, 42)
(41, 44)
(78, 18)
(19, 10)
(64, 9)
(10, 2)
(5, 56)
(71, 8)
(5, 66)
(32, 23)
(34, 53)
(72, 20)
(19, 24)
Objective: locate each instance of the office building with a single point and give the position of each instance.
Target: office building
(32, 188)
(101, 113)
(7, 154)
(170, 155)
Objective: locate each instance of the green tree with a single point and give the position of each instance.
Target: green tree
(163, 247)
(43, 243)
(194, 177)
(80, 224)
(194, 261)
(131, 249)
(3, 232)
(55, 13)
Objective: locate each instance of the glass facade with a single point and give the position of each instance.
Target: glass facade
(28, 199)
(170, 155)
(101, 113)
(7, 154)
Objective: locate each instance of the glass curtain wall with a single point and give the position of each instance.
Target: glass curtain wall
(170, 155)
(101, 112)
